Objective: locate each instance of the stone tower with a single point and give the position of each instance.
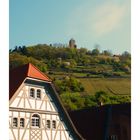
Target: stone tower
(72, 43)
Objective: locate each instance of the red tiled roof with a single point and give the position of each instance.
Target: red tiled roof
(18, 75)
(33, 72)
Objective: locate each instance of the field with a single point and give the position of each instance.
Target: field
(116, 86)
(94, 83)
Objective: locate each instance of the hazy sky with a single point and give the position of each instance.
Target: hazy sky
(89, 22)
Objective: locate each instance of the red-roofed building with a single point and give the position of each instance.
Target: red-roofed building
(35, 110)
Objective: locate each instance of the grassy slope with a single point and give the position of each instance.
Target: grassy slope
(116, 86)
(119, 86)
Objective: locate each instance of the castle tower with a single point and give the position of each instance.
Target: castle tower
(72, 43)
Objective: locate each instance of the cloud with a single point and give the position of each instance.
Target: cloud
(97, 20)
(108, 18)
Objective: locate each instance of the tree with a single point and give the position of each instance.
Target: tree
(95, 52)
(101, 97)
(107, 53)
(72, 101)
(125, 57)
(83, 50)
(24, 50)
(15, 49)
(17, 59)
(126, 54)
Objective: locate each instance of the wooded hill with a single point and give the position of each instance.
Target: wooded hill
(80, 74)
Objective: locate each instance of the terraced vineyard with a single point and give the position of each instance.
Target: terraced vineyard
(118, 86)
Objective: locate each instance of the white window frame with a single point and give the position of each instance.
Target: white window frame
(32, 92)
(22, 122)
(15, 122)
(35, 93)
(38, 90)
(48, 124)
(53, 124)
(35, 121)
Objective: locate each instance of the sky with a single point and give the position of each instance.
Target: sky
(90, 22)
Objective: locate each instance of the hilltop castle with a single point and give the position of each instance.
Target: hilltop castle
(72, 43)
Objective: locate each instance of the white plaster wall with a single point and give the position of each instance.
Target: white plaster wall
(15, 133)
(22, 114)
(15, 102)
(50, 107)
(48, 131)
(21, 105)
(27, 105)
(63, 136)
(38, 104)
(15, 114)
(27, 114)
(20, 93)
(10, 113)
(26, 136)
(11, 135)
(21, 133)
(57, 136)
(46, 105)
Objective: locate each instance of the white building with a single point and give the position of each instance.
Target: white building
(35, 110)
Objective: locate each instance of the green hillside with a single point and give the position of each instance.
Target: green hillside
(115, 86)
(83, 78)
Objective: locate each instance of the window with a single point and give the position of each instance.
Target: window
(32, 93)
(15, 122)
(54, 124)
(35, 120)
(113, 137)
(38, 94)
(22, 122)
(48, 124)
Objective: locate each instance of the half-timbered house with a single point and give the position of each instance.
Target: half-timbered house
(35, 110)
